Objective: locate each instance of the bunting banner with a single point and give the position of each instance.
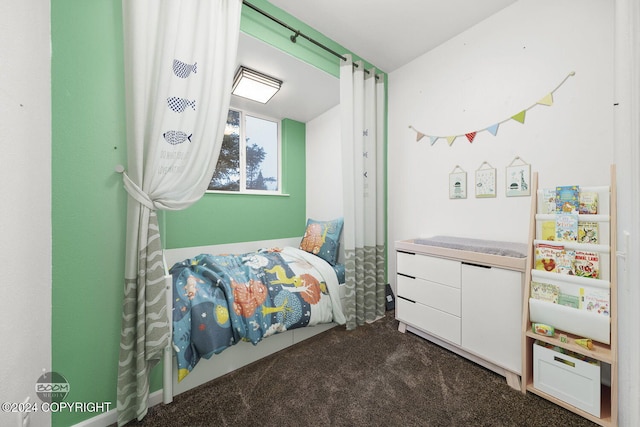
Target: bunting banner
(546, 100)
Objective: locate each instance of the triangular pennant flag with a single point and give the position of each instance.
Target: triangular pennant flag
(493, 129)
(547, 100)
(470, 136)
(520, 116)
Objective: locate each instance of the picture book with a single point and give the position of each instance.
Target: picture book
(548, 230)
(567, 198)
(546, 256)
(548, 204)
(587, 264)
(545, 292)
(588, 202)
(569, 300)
(567, 227)
(595, 301)
(588, 232)
(564, 262)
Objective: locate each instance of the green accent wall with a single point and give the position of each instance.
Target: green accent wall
(228, 218)
(89, 201)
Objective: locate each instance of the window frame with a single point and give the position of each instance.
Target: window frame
(243, 155)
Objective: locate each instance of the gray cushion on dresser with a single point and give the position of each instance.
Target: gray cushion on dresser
(493, 247)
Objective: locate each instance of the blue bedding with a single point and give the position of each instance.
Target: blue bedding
(220, 300)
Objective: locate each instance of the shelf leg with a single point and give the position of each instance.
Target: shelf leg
(513, 380)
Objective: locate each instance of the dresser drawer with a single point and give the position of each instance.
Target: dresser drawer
(442, 297)
(430, 320)
(439, 270)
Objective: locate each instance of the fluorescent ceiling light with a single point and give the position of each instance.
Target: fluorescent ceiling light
(254, 85)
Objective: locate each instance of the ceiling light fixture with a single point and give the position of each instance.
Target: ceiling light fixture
(253, 85)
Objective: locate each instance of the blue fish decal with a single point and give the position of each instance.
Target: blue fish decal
(175, 137)
(183, 70)
(180, 104)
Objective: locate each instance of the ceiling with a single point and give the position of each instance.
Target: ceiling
(390, 34)
(306, 91)
(386, 35)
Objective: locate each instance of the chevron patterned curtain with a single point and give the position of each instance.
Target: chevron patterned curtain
(179, 63)
(362, 121)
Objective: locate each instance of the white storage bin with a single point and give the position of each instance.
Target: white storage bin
(567, 378)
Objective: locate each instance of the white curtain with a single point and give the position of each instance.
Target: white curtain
(179, 58)
(362, 106)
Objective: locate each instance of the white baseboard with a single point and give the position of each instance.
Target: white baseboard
(111, 417)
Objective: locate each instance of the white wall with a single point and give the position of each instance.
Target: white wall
(324, 166)
(494, 70)
(481, 77)
(627, 148)
(25, 212)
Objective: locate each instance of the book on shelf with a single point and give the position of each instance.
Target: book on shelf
(548, 230)
(595, 301)
(588, 203)
(546, 256)
(567, 198)
(588, 232)
(586, 264)
(548, 205)
(567, 227)
(564, 262)
(545, 292)
(569, 300)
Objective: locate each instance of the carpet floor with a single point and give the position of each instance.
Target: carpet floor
(373, 376)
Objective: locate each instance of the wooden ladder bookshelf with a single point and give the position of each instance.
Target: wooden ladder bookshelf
(604, 352)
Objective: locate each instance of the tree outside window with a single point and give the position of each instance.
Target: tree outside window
(249, 156)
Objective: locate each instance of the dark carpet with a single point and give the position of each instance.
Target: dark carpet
(373, 376)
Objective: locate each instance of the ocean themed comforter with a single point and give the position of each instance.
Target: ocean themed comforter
(219, 300)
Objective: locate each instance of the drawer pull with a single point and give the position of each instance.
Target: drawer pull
(566, 362)
(406, 275)
(476, 265)
(407, 299)
(405, 252)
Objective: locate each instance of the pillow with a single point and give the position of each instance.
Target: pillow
(322, 238)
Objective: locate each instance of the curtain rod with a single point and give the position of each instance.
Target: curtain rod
(297, 33)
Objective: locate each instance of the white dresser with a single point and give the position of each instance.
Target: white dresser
(468, 302)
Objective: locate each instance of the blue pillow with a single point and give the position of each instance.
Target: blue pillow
(322, 238)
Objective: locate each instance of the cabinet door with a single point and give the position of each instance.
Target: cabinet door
(492, 314)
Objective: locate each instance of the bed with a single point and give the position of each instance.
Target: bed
(234, 304)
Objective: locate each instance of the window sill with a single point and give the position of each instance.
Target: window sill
(248, 193)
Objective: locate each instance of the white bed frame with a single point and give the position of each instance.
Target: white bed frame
(240, 354)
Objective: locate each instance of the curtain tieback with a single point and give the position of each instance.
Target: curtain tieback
(134, 191)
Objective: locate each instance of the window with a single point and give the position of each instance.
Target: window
(249, 160)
